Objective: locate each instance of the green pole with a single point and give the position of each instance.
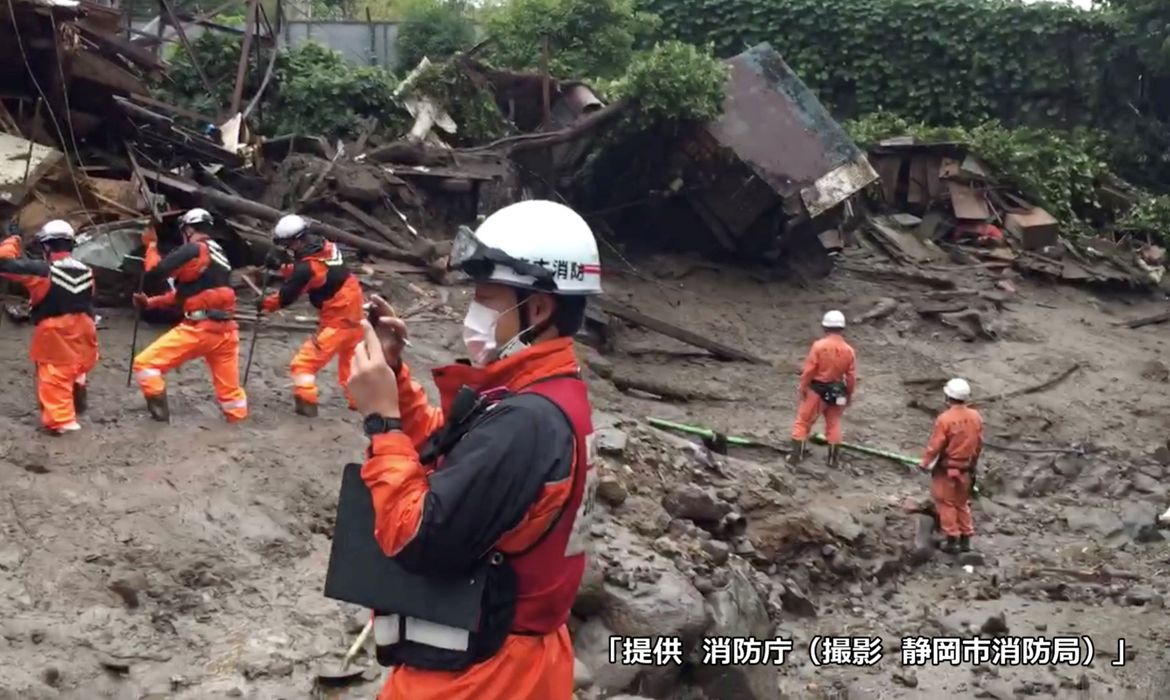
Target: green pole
(873, 451)
(701, 432)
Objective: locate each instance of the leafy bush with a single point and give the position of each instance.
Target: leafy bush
(435, 29)
(674, 81)
(587, 38)
(313, 89)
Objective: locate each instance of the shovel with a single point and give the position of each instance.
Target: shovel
(345, 674)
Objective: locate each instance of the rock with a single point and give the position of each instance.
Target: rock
(591, 647)
(259, 664)
(885, 568)
(704, 585)
(591, 594)
(728, 494)
(994, 625)
(611, 491)
(796, 602)
(1140, 522)
(718, 550)
(732, 525)
(51, 676)
(836, 520)
(1099, 520)
(610, 441)
(127, 587)
(693, 502)
(1144, 483)
(671, 607)
(745, 548)
(582, 677)
(667, 547)
(906, 677)
(738, 611)
(1156, 371)
(1143, 595)
(970, 559)
(645, 515)
(923, 548)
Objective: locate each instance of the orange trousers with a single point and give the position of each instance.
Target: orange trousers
(525, 668)
(218, 346)
(952, 500)
(55, 393)
(316, 352)
(812, 406)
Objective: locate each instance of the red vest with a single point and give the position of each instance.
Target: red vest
(549, 574)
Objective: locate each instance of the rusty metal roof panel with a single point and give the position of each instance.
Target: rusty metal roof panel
(779, 128)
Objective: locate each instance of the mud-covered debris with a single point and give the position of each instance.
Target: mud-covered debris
(995, 625)
(907, 678)
(610, 441)
(582, 676)
(645, 515)
(611, 491)
(718, 550)
(51, 676)
(1143, 595)
(693, 502)
(1140, 522)
(127, 586)
(971, 559)
(113, 665)
(738, 612)
(796, 602)
(1096, 520)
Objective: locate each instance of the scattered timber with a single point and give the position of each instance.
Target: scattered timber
(716, 348)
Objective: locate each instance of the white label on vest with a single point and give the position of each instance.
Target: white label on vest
(215, 253)
(579, 536)
(335, 258)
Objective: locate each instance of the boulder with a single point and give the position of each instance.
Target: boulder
(693, 502)
(645, 515)
(1096, 520)
(738, 611)
(610, 441)
(611, 491)
(836, 520)
(1139, 521)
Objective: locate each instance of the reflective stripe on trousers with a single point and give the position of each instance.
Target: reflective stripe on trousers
(218, 347)
(387, 631)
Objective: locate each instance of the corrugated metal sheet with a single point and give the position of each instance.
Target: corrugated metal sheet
(779, 128)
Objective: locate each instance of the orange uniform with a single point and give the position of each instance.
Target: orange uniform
(830, 360)
(200, 271)
(490, 500)
(337, 296)
(64, 344)
(956, 444)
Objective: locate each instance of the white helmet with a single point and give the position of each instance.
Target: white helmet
(55, 230)
(534, 244)
(195, 216)
(289, 226)
(833, 319)
(957, 390)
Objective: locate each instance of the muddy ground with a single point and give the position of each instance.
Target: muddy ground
(217, 535)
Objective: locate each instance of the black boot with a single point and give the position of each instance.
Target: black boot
(951, 546)
(80, 399)
(159, 410)
(306, 409)
(834, 456)
(796, 452)
(964, 543)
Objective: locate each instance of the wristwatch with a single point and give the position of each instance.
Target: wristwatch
(376, 424)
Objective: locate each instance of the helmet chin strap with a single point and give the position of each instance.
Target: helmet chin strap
(528, 332)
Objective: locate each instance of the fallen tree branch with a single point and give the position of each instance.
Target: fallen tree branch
(1148, 320)
(716, 348)
(1048, 384)
(524, 142)
(625, 382)
(1098, 574)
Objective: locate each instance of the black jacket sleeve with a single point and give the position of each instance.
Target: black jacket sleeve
(290, 291)
(175, 259)
(24, 266)
(488, 482)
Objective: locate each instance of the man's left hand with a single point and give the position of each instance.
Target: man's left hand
(372, 383)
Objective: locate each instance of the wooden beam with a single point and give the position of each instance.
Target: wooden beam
(668, 329)
(242, 64)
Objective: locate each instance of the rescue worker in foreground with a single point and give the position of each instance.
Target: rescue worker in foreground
(64, 344)
(827, 383)
(334, 291)
(201, 274)
(951, 456)
(500, 484)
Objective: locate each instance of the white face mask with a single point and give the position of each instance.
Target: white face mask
(479, 335)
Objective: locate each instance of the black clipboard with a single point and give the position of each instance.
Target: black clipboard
(359, 571)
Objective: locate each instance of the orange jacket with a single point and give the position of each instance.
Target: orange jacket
(830, 359)
(332, 288)
(65, 339)
(957, 439)
(201, 273)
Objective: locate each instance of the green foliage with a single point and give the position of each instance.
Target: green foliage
(435, 29)
(313, 89)
(587, 38)
(674, 81)
(942, 61)
(1150, 217)
(473, 108)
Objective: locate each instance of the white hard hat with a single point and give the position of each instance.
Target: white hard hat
(289, 226)
(55, 230)
(195, 216)
(958, 390)
(833, 319)
(534, 244)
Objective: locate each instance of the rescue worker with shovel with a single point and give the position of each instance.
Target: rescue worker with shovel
(64, 344)
(951, 456)
(336, 294)
(495, 483)
(827, 383)
(202, 287)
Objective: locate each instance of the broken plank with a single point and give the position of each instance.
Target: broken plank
(893, 273)
(1037, 387)
(1148, 320)
(376, 226)
(716, 348)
